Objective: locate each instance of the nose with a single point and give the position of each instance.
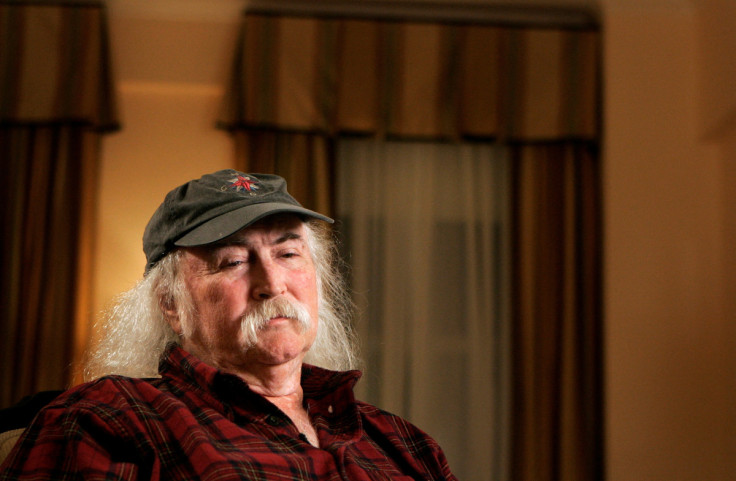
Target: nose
(267, 280)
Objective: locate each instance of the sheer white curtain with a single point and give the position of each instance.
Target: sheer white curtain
(425, 227)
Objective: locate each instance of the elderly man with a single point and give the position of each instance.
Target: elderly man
(240, 301)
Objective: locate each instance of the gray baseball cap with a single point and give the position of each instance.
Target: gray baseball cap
(213, 207)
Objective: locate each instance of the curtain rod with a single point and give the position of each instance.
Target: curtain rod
(432, 11)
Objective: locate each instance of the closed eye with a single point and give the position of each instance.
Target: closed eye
(231, 263)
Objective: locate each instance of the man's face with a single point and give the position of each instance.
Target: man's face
(265, 263)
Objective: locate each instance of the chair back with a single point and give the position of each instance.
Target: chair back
(15, 419)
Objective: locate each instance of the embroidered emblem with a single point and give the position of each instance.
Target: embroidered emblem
(244, 183)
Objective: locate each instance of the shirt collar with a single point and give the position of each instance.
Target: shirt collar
(179, 364)
(328, 395)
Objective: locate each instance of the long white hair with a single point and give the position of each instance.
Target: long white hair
(135, 332)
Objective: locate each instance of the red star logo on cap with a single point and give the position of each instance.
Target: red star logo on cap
(241, 182)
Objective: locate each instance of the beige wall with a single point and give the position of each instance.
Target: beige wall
(670, 340)
(171, 67)
(669, 184)
(717, 53)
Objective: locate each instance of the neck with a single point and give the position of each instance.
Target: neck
(281, 385)
(275, 381)
(269, 379)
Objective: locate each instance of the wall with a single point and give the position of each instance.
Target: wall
(669, 329)
(172, 62)
(717, 49)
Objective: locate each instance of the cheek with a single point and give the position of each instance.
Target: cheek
(305, 284)
(213, 294)
(218, 302)
(307, 288)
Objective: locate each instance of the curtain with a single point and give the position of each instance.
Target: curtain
(557, 363)
(327, 76)
(426, 229)
(533, 89)
(56, 98)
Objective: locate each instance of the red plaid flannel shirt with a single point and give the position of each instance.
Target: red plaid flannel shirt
(198, 423)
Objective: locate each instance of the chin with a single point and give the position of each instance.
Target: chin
(278, 353)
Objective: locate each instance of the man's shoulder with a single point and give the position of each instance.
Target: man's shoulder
(112, 392)
(390, 423)
(368, 409)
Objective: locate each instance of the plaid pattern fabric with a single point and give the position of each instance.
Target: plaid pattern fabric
(198, 423)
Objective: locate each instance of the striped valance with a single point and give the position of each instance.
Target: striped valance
(55, 64)
(414, 78)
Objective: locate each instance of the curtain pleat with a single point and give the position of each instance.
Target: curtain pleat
(56, 98)
(556, 371)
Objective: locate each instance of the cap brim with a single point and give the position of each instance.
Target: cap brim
(231, 222)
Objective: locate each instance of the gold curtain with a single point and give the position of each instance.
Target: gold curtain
(56, 98)
(557, 364)
(535, 89)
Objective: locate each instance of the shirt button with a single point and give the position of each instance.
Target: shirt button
(329, 409)
(274, 421)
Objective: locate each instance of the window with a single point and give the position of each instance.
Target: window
(425, 229)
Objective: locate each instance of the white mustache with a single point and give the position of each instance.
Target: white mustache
(258, 316)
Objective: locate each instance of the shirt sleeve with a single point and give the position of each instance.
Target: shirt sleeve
(73, 443)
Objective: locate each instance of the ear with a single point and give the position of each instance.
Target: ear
(171, 313)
